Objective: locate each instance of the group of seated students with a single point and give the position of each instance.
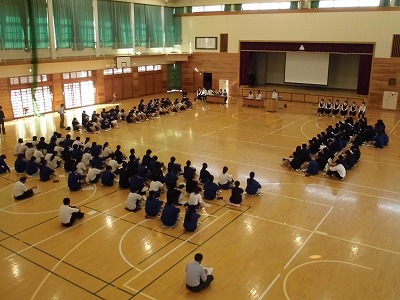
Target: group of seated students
(336, 109)
(336, 150)
(89, 163)
(108, 119)
(202, 93)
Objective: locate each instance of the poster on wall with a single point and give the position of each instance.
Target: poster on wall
(208, 43)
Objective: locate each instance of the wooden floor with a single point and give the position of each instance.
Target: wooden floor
(304, 238)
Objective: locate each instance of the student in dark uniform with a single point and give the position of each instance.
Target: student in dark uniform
(253, 186)
(191, 220)
(336, 108)
(237, 194)
(107, 177)
(153, 206)
(170, 214)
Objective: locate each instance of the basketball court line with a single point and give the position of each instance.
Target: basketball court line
(315, 262)
(270, 286)
(69, 252)
(287, 125)
(390, 132)
(307, 239)
(174, 249)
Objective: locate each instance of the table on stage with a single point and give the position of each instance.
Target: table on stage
(215, 99)
(253, 102)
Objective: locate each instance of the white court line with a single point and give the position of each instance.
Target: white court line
(243, 121)
(122, 239)
(276, 222)
(394, 127)
(308, 238)
(315, 262)
(270, 286)
(69, 252)
(58, 233)
(287, 125)
(177, 247)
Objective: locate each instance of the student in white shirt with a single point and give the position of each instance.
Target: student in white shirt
(250, 96)
(17, 145)
(93, 175)
(275, 95)
(113, 164)
(259, 96)
(134, 202)
(68, 214)
(197, 278)
(361, 110)
(53, 161)
(195, 199)
(225, 180)
(156, 186)
(21, 191)
(86, 157)
(38, 156)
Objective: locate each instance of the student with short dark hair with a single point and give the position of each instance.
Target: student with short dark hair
(67, 214)
(20, 164)
(191, 220)
(236, 197)
(75, 180)
(21, 191)
(170, 214)
(204, 174)
(107, 177)
(211, 189)
(46, 173)
(253, 186)
(134, 201)
(32, 167)
(189, 172)
(153, 206)
(225, 180)
(3, 165)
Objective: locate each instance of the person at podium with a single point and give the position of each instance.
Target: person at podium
(275, 95)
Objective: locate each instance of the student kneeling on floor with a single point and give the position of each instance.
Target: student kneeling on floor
(68, 214)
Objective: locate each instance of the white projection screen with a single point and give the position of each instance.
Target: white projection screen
(307, 68)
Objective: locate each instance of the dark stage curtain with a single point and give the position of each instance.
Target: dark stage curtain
(364, 73)
(245, 58)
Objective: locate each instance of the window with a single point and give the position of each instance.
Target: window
(117, 71)
(27, 79)
(149, 68)
(23, 103)
(347, 3)
(77, 94)
(208, 8)
(108, 71)
(80, 74)
(266, 6)
(127, 70)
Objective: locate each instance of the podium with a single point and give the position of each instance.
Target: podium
(270, 105)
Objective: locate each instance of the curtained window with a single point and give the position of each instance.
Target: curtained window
(227, 7)
(17, 22)
(169, 26)
(314, 4)
(174, 81)
(237, 7)
(115, 28)
(148, 26)
(74, 24)
(294, 4)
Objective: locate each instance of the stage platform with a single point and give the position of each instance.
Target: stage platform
(305, 94)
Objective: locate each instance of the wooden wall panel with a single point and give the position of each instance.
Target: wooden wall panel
(158, 83)
(117, 87)
(58, 96)
(164, 77)
(382, 70)
(298, 97)
(149, 84)
(5, 101)
(127, 86)
(135, 82)
(100, 87)
(141, 85)
(108, 91)
(221, 65)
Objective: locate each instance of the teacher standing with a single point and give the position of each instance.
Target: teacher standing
(61, 111)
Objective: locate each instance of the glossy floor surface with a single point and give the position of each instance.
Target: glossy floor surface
(303, 238)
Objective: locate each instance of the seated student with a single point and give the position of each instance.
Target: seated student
(20, 164)
(338, 170)
(171, 179)
(93, 174)
(343, 109)
(21, 191)
(77, 152)
(113, 164)
(137, 183)
(32, 168)
(119, 156)
(250, 96)
(312, 167)
(106, 151)
(123, 180)
(191, 220)
(336, 108)
(236, 197)
(173, 166)
(46, 173)
(253, 187)
(211, 189)
(69, 165)
(353, 110)
(156, 186)
(53, 161)
(134, 202)
(3, 165)
(153, 206)
(259, 96)
(361, 110)
(225, 180)
(144, 172)
(195, 199)
(191, 185)
(76, 126)
(98, 162)
(80, 167)
(86, 157)
(75, 180)
(170, 214)
(328, 108)
(321, 107)
(204, 174)
(107, 177)
(174, 195)
(68, 214)
(189, 172)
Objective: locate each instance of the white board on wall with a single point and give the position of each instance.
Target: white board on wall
(123, 62)
(389, 100)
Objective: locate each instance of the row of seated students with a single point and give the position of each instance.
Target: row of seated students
(336, 150)
(202, 93)
(335, 109)
(108, 119)
(88, 163)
